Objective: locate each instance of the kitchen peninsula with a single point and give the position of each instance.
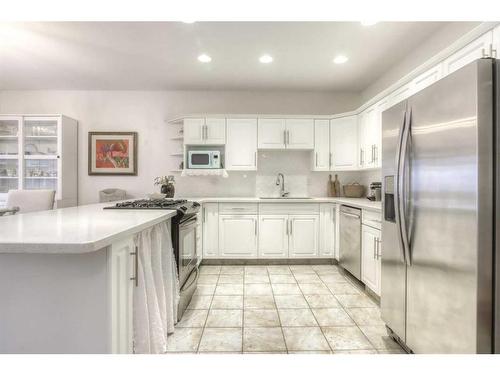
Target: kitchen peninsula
(67, 279)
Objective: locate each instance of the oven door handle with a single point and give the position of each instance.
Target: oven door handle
(195, 280)
(187, 223)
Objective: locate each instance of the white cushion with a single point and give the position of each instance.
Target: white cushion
(31, 200)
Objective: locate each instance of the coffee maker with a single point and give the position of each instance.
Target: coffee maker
(375, 191)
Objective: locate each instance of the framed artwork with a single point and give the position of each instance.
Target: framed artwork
(113, 153)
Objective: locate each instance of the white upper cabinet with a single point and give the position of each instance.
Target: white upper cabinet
(290, 133)
(194, 130)
(273, 236)
(496, 42)
(321, 156)
(271, 133)
(201, 131)
(303, 236)
(474, 50)
(300, 134)
(215, 133)
(426, 79)
(241, 147)
(368, 134)
(344, 143)
(238, 236)
(400, 94)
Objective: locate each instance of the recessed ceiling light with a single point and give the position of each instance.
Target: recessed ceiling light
(204, 58)
(340, 59)
(368, 23)
(266, 59)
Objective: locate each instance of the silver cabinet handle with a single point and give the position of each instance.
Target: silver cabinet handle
(316, 159)
(206, 132)
(204, 214)
(287, 137)
(255, 226)
(135, 278)
(330, 159)
(361, 156)
(291, 227)
(374, 247)
(373, 153)
(287, 227)
(284, 137)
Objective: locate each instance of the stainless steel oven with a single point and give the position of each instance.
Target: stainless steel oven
(185, 242)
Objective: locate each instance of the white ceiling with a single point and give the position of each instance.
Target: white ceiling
(163, 55)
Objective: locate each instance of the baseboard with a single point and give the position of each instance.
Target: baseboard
(256, 262)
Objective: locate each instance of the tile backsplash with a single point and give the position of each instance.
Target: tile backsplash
(300, 181)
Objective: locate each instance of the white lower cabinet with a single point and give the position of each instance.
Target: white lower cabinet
(273, 236)
(210, 230)
(121, 266)
(303, 236)
(327, 217)
(238, 236)
(371, 258)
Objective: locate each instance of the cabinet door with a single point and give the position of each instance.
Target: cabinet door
(303, 236)
(426, 79)
(238, 236)
(469, 53)
(344, 143)
(241, 147)
(215, 131)
(321, 155)
(10, 155)
(399, 94)
(327, 230)
(210, 230)
(273, 236)
(121, 269)
(271, 133)
(367, 137)
(194, 131)
(370, 262)
(300, 134)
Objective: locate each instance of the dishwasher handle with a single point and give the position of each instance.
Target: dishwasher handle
(350, 215)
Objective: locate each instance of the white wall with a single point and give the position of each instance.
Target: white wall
(440, 40)
(146, 112)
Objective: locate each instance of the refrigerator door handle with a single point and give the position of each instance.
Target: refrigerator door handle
(397, 207)
(403, 188)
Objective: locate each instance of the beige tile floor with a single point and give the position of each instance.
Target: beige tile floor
(280, 309)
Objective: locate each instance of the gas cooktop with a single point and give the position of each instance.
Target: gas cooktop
(182, 206)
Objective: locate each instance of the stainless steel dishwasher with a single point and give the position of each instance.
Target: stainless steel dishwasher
(350, 240)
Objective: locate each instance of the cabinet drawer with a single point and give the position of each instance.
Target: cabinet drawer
(372, 218)
(289, 208)
(238, 208)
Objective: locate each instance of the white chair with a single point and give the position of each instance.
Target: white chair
(31, 200)
(112, 195)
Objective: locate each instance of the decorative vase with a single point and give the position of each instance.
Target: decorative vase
(168, 190)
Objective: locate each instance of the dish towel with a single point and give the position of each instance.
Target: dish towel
(157, 295)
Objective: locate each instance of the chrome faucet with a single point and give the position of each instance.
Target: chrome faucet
(281, 183)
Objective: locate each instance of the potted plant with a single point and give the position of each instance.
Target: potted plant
(167, 185)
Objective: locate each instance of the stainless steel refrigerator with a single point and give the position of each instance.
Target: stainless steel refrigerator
(440, 214)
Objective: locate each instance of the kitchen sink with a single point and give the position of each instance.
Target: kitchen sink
(285, 198)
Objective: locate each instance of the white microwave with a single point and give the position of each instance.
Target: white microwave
(204, 159)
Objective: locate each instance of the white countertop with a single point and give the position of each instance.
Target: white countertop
(73, 230)
(362, 203)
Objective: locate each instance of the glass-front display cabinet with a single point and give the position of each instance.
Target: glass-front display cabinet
(39, 152)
